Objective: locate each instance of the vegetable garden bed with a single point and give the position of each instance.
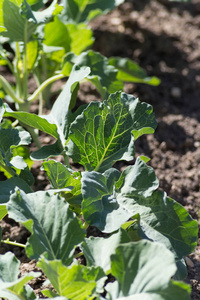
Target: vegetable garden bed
(153, 34)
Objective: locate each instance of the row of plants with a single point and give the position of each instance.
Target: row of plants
(144, 235)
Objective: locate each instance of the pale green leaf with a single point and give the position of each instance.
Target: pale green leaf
(143, 270)
(60, 36)
(55, 229)
(32, 53)
(98, 250)
(12, 287)
(81, 37)
(161, 218)
(76, 282)
(61, 177)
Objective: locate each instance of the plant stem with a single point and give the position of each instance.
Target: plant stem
(44, 85)
(78, 255)
(18, 71)
(9, 90)
(25, 63)
(13, 243)
(34, 136)
(8, 169)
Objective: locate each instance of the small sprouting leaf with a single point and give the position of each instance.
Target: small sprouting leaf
(100, 207)
(97, 250)
(61, 177)
(105, 135)
(76, 282)
(130, 71)
(143, 270)
(55, 229)
(161, 218)
(102, 75)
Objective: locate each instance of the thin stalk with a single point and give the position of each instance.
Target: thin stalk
(25, 64)
(44, 85)
(8, 169)
(66, 159)
(34, 136)
(78, 255)
(40, 108)
(9, 90)
(18, 71)
(13, 243)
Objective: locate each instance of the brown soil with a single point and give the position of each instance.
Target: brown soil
(164, 38)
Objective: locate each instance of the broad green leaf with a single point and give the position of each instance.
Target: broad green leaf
(129, 71)
(80, 10)
(12, 287)
(61, 177)
(161, 218)
(105, 135)
(55, 229)
(143, 270)
(76, 282)
(60, 36)
(34, 121)
(97, 250)
(100, 207)
(81, 37)
(102, 75)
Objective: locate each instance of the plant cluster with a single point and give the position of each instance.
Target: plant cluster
(144, 235)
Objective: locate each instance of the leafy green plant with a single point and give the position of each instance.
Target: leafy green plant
(145, 234)
(45, 56)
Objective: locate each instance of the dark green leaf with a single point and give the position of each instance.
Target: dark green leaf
(102, 75)
(129, 71)
(100, 207)
(105, 134)
(81, 11)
